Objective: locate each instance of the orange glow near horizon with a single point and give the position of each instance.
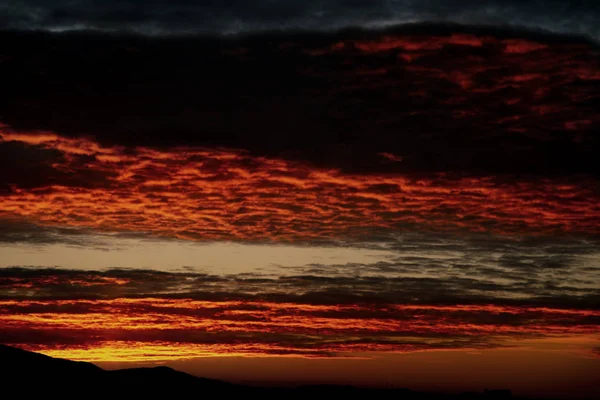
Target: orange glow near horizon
(135, 352)
(143, 352)
(182, 328)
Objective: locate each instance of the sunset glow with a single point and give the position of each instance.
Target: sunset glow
(294, 198)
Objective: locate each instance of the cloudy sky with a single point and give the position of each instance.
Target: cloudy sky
(234, 16)
(375, 192)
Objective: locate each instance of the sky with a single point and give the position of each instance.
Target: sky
(241, 16)
(371, 192)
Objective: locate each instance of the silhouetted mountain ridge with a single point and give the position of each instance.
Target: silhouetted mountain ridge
(20, 369)
(33, 373)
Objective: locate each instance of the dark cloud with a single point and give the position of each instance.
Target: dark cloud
(471, 268)
(428, 127)
(35, 167)
(381, 283)
(234, 16)
(19, 231)
(27, 166)
(485, 101)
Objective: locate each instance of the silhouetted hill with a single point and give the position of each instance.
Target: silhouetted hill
(26, 373)
(17, 364)
(32, 372)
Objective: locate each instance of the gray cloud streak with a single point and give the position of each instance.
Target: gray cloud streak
(235, 16)
(417, 268)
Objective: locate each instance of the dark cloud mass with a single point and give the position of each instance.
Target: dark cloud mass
(14, 230)
(234, 16)
(417, 100)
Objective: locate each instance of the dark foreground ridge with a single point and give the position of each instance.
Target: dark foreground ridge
(29, 373)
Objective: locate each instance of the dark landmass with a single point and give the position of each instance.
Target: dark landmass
(28, 373)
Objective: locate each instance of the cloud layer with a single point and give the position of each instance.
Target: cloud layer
(437, 99)
(135, 329)
(205, 194)
(142, 315)
(235, 16)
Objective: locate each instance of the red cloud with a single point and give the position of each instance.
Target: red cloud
(194, 328)
(196, 193)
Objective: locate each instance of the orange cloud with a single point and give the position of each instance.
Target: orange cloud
(196, 193)
(155, 328)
